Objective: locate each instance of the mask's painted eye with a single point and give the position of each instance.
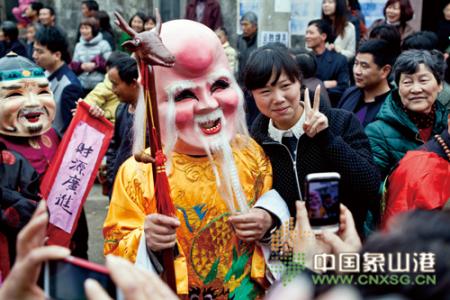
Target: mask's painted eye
(14, 95)
(44, 92)
(185, 94)
(219, 85)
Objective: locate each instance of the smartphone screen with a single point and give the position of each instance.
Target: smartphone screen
(323, 202)
(64, 279)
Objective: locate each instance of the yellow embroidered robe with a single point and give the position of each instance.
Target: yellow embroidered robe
(217, 263)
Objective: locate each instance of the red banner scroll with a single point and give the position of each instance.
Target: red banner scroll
(72, 172)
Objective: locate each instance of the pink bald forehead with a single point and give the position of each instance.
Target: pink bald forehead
(196, 47)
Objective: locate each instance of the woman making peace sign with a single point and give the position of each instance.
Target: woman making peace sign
(301, 138)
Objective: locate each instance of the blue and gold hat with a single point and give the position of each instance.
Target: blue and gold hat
(13, 67)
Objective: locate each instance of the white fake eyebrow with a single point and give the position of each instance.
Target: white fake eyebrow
(221, 73)
(179, 86)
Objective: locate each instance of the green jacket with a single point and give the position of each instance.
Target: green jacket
(392, 133)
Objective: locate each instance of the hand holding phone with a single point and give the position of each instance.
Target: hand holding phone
(322, 201)
(64, 279)
(347, 240)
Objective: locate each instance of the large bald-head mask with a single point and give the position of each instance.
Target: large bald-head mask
(27, 107)
(199, 100)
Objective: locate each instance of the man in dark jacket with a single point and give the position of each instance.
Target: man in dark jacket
(123, 75)
(51, 53)
(373, 64)
(206, 12)
(247, 41)
(332, 67)
(246, 44)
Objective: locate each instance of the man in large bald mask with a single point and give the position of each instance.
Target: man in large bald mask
(214, 170)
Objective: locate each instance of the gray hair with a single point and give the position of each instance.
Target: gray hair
(408, 62)
(251, 17)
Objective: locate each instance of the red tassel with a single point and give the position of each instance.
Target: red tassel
(162, 192)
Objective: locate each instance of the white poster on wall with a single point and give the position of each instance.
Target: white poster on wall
(282, 6)
(303, 11)
(275, 37)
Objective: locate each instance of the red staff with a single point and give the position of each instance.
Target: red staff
(150, 51)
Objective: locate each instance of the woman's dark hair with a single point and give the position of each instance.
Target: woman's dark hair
(151, 17)
(354, 4)
(386, 32)
(93, 23)
(127, 69)
(340, 18)
(54, 40)
(104, 22)
(408, 62)
(406, 10)
(267, 60)
(36, 6)
(141, 16)
(421, 40)
(10, 30)
(307, 64)
(415, 233)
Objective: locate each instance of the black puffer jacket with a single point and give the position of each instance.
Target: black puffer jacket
(342, 148)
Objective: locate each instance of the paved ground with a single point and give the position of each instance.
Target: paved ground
(96, 208)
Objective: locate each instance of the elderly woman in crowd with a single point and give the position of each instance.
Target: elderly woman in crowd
(301, 138)
(410, 116)
(90, 55)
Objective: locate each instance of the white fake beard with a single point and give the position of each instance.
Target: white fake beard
(139, 124)
(227, 177)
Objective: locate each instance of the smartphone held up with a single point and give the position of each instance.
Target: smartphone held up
(64, 279)
(322, 201)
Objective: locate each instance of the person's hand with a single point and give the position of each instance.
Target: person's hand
(31, 253)
(347, 240)
(315, 121)
(304, 241)
(88, 66)
(95, 111)
(251, 226)
(329, 84)
(160, 231)
(136, 284)
(74, 110)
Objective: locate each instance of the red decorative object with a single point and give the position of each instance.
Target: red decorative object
(8, 157)
(56, 235)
